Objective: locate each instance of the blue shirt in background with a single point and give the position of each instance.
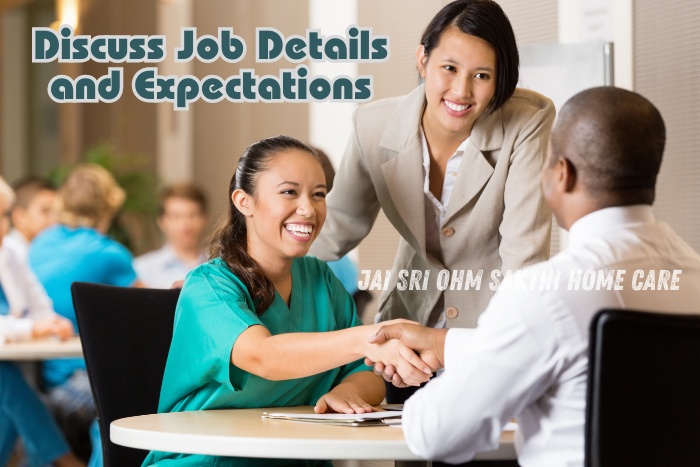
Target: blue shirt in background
(4, 304)
(61, 255)
(346, 271)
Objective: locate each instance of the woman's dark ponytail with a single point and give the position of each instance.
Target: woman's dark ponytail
(230, 239)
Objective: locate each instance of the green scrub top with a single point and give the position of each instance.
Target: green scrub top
(213, 310)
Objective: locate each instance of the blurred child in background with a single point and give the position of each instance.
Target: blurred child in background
(78, 249)
(34, 210)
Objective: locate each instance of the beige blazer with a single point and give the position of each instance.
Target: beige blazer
(496, 219)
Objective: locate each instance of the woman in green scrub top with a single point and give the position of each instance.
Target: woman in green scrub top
(264, 325)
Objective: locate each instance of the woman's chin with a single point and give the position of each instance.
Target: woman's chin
(298, 251)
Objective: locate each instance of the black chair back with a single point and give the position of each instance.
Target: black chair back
(643, 401)
(362, 298)
(126, 334)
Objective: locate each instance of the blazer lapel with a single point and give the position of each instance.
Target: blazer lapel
(475, 170)
(404, 180)
(404, 173)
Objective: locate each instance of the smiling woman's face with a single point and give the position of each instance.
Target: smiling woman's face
(288, 209)
(460, 81)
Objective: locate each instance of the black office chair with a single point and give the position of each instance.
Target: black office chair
(362, 298)
(126, 334)
(643, 401)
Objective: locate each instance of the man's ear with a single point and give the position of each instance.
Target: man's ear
(242, 201)
(421, 60)
(569, 174)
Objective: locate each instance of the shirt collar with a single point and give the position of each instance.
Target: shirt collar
(172, 260)
(426, 153)
(607, 219)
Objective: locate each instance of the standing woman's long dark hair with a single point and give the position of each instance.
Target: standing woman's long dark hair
(230, 239)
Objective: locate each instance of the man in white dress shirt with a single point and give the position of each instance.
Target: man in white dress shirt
(182, 217)
(527, 358)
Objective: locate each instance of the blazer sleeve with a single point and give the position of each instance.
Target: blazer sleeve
(526, 225)
(352, 204)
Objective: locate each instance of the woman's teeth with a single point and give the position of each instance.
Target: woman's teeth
(299, 230)
(456, 107)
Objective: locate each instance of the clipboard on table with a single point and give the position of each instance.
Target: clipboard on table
(340, 419)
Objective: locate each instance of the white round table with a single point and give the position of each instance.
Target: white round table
(41, 349)
(244, 433)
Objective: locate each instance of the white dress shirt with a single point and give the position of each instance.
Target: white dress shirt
(528, 359)
(158, 269)
(26, 296)
(453, 163)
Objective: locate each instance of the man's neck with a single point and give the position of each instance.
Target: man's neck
(186, 254)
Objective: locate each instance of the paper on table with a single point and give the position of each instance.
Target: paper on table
(354, 419)
(334, 416)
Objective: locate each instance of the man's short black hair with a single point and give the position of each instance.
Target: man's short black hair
(615, 140)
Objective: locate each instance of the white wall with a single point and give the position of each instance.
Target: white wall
(175, 159)
(601, 20)
(325, 131)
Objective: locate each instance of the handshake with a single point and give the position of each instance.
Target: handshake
(405, 353)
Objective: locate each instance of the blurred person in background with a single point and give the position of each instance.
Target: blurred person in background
(78, 249)
(25, 313)
(34, 209)
(182, 217)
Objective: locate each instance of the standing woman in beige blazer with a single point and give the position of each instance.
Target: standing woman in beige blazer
(455, 166)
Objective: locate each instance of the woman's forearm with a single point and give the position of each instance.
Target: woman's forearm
(297, 355)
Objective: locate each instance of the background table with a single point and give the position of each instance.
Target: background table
(41, 349)
(244, 433)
